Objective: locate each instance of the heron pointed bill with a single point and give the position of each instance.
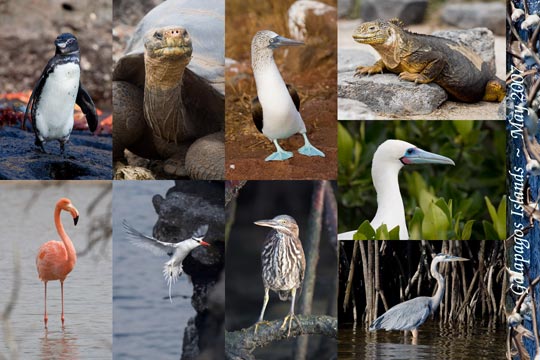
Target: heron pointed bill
(269, 223)
(455, 258)
(279, 41)
(419, 156)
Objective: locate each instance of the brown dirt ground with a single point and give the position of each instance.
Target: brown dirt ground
(27, 32)
(245, 147)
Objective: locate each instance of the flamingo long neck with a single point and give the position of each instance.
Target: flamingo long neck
(70, 249)
(390, 209)
(437, 298)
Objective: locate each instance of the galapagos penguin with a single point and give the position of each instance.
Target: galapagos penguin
(275, 110)
(54, 96)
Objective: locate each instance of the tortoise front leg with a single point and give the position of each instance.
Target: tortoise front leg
(429, 73)
(376, 68)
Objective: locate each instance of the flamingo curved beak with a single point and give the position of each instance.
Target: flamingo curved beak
(76, 220)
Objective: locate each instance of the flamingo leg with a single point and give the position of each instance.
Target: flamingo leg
(62, 289)
(45, 318)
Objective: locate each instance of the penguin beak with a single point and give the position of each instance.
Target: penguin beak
(419, 156)
(283, 41)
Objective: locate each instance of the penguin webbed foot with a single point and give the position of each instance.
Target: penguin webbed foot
(279, 156)
(308, 149)
(40, 146)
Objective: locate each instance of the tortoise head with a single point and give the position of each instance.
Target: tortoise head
(375, 32)
(171, 42)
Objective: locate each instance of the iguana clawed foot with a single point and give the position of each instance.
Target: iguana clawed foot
(414, 77)
(376, 68)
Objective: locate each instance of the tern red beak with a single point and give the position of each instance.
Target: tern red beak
(204, 243)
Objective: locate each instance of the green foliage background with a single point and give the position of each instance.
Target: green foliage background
(473, 190)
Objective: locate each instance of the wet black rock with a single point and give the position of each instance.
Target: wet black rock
(188, 205)
(87, 157)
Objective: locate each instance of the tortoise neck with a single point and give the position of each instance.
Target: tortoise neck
(163, 73)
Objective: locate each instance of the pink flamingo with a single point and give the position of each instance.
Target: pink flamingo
(56, 259)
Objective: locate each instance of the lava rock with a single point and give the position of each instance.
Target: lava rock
(466, 16)
(314, 23)
(87, 157)
(186, 206)
(350, 59)
(345, 8)
(386, 93)
(480, 40)
(408, 11)
(349, 109)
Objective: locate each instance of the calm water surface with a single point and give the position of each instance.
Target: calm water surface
(146, 324)
(87, 290)
(434, 342)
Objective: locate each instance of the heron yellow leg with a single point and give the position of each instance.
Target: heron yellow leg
(414, 333)
(291, 316)
(265, 302)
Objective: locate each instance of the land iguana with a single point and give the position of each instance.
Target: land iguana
(426, 58)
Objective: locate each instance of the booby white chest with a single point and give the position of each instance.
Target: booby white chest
(280, 117)
(54, 108)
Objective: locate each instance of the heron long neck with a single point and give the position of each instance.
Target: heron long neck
(70, 249)
(437, 298)
(390, 209)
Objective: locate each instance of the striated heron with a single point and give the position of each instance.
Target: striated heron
(283, 264)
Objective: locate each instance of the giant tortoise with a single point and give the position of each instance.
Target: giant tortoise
(168, 89)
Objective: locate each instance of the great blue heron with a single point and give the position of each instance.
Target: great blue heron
(410, 314)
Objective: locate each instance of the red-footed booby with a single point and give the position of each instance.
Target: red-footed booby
(388, 160)
(275, 110)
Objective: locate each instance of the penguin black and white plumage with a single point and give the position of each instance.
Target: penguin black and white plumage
(275, 110)
(52, 102)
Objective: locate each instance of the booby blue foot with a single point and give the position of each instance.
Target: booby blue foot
(280, 154)
(308, 149)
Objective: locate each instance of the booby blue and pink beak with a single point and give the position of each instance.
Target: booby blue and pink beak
(415, 155)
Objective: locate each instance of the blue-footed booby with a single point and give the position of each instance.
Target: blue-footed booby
(388, 160)
(275, 110)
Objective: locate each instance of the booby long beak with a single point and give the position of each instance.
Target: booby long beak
(283, 41)
(419, 156)
(269, 223)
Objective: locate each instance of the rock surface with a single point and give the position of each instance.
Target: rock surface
(349, 109)
(86, 157)
(385, 93)
(187, 206)
(345, 8)
(480, 40)
(349, 59)
(467, 16)
(408, 11)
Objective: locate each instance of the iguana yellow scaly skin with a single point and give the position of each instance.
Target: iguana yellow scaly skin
(424, 59)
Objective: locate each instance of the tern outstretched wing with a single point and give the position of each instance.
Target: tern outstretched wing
(148, 242)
